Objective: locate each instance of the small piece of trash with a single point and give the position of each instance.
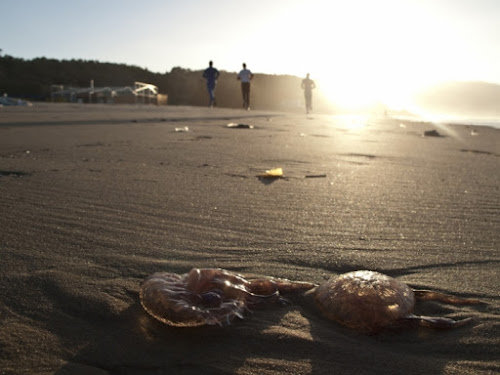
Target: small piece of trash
(402, 125)
(431, 133)
(473, 132)
(272, 173)
(315, 175)
(234, 125)
(185, 129)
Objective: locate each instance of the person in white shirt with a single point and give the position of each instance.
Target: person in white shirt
(245, 76)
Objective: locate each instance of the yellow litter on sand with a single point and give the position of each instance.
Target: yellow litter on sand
(272, 173)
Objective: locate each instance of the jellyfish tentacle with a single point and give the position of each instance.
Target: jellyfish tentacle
(287, 286)
(429, 295)
(436, 322)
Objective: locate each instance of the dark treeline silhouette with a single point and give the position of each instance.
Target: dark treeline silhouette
(32, 80)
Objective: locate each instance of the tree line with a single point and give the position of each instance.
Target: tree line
(32, 80)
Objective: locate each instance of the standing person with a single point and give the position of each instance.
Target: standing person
(308, 85)
(211, 75)
(245, 76)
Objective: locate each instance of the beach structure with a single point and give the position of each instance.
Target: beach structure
(144, 93)
(5, 100)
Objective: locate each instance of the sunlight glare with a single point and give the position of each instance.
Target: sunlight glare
(360, 56)
(350, 121)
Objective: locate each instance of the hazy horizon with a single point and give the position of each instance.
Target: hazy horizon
(447, 102)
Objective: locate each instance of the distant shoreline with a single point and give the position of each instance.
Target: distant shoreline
(486, 121)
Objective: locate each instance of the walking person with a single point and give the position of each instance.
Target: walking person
(211, 75)
(308, 85)
(245, 76)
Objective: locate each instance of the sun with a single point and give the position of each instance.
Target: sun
(348, 93)
(355, 87)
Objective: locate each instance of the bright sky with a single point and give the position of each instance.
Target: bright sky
(356, 50)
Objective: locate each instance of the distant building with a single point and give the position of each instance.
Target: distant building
(141, 93)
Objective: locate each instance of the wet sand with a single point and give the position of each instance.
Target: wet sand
(95, 198)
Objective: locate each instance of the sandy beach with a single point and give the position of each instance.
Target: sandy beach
(95, 198)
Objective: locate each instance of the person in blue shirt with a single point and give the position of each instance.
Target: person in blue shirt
(211, 75)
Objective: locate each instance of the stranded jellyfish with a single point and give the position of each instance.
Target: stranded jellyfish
(209, 295)
(368, 301)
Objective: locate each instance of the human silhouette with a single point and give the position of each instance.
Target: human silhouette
(308, 85)
(245, 76)
(211, 75)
